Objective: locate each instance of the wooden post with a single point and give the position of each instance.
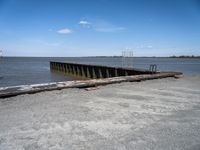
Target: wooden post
(78, 71)
(93, 74)
(107, 73)
(88, 73)
(67, 70)
(52, 66)
(126, 73)
(82, 72)
(58, 67)
(73, 70)
(116, 73)
(62, 66)
(100, 73)
(70, 69)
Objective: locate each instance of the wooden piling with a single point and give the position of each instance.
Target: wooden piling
(100, 73)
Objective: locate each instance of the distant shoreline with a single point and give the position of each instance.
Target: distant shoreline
(183, 56)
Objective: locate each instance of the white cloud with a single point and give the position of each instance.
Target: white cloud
(100, 25)
(64, 31)
(85, 23)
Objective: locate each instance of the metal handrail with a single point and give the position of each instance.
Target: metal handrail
(153, 68)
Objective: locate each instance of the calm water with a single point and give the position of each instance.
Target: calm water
(28, 70)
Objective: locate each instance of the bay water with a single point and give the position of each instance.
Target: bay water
(35, 70)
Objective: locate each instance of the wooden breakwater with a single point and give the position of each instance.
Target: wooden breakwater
(30, 89)
(94, 71)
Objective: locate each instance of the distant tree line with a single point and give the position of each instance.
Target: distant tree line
(185, 56)
(182, 56)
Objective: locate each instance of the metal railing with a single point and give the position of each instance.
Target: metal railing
(153, 68)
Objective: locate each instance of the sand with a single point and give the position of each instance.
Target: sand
(154, 115)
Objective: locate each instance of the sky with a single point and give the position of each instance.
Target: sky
(63, 28)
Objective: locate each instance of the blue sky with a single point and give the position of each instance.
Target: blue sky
(99, 27)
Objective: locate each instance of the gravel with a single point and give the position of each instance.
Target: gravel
(150, 115)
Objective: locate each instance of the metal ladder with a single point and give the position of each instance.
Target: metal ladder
(153, 68)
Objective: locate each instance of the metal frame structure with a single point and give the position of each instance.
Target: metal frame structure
(127, 59)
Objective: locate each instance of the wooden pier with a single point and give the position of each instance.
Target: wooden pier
(86, 71)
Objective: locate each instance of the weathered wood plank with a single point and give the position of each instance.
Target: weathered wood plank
(30, 89)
